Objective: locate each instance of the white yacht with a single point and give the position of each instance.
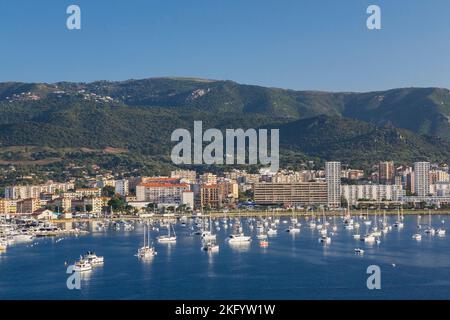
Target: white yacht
(359, 251)
(23, 237)
(82, 266)
(92, 258)
(271, 232)
(239, 238)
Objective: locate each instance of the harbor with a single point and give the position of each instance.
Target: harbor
(209, 257)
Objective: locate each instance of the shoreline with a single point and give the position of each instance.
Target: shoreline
(259, 214)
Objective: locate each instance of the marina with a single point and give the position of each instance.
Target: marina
(256, 259)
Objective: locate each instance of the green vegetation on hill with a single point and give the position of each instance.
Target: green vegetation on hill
(64, 120)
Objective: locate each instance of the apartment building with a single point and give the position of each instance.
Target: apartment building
(291, 194)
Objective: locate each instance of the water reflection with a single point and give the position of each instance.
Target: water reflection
(240, 246)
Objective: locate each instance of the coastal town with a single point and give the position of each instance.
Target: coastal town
(420, 186)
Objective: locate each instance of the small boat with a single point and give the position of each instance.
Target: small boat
(368, 238)
(207, 235)
(271, 232)
(357, 236)
(261, 236)
(293, 229)
(325, 239)
(441, 230)
(3, 244)
(359, 251)
(398, 224)
(210, 247)
(264, 243)
(417, 237)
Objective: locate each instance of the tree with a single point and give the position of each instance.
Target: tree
(117, 203)
(89, 207)
(108, 191)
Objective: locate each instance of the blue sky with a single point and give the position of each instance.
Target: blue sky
(297, 44)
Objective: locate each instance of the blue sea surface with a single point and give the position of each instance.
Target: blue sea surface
(294, 266)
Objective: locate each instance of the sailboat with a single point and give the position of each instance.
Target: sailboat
(312, 223)
(168, 238)
(146, 251)
(398, 223)
(209, 239)
(429, 230)
(441, 230)
(207, 234)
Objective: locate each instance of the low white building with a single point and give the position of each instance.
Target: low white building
(440, 189)
(44, 214)
(371, 192)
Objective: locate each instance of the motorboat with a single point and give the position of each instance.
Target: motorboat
(210, 247)
(92, 258)
(398, 224)
(23, 237)
(261, 236)
(82, 266)
(207, 235)
(325, 239)
(293, 229)
(239, 238)
(368, 238)
(359, 251)
(271, 232)
(417, 237)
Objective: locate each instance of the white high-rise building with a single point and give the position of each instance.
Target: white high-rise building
(333, 179)
(422, 178)
(122, 187)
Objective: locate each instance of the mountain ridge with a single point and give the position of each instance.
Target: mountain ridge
(139, 115)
